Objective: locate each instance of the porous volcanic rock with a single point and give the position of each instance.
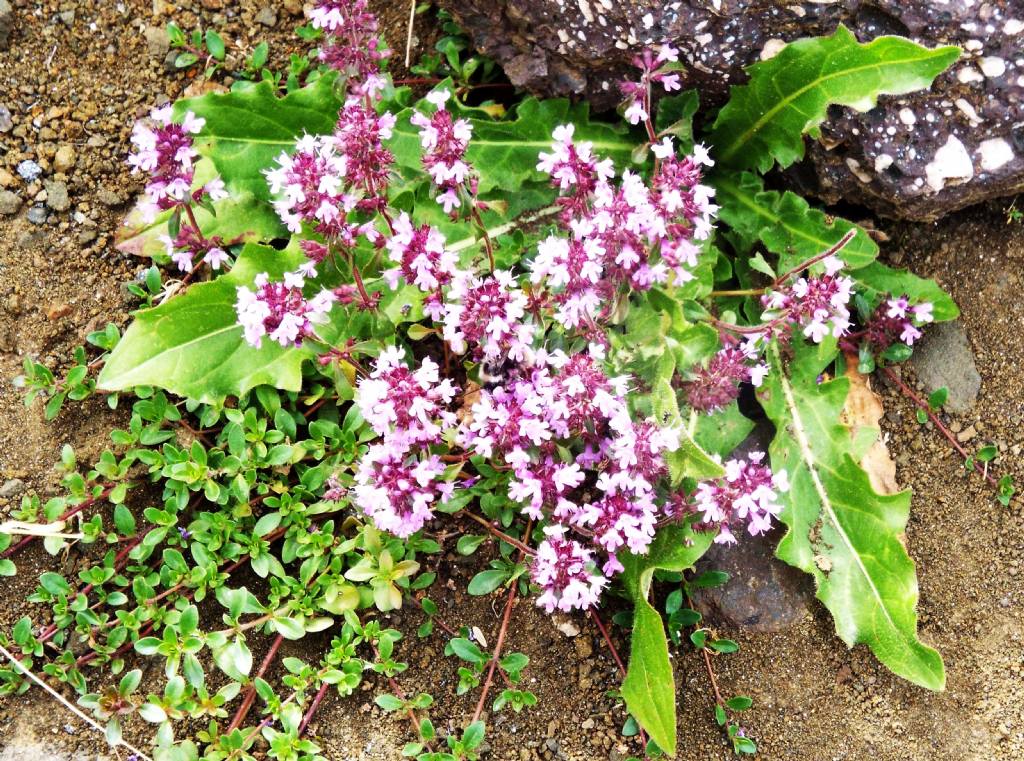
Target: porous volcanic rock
(915, 157)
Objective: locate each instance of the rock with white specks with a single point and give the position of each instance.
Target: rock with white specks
(917, 156)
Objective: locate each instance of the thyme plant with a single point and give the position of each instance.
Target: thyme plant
(385, 319)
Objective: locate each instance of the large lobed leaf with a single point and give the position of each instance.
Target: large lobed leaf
(192, 345)
(246, 129)
(843, 533)
(789, 94)
(786, 224)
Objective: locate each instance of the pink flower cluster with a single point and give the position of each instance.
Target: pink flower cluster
(399, 481)
(189, 244)
(564, 569)
(896, 320)
(280, 310)
(422, 261)
(625, 237)
(817, 305)
(164, 150)
(328, 176)
(485, 315)
(715, 386)
(748, 494)
(353, 46)
(553, 405)
(444, 141)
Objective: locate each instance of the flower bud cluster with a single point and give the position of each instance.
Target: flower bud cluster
(895, 320)
(353, 45)
(717, 385)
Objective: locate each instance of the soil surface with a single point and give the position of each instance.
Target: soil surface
(79, 73)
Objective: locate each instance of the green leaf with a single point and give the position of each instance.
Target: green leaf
(649, 688)
(689, 460)
(877, 280)
(840, 530)
(242, 217)
(786, 224)
(486, 582)
(789, 95)
(247, 128)
(215, 44)
(193, 346)
(504, 152)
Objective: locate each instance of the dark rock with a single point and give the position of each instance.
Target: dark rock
(763, 594)
(6, 23)
(917, 156)
(944, 358)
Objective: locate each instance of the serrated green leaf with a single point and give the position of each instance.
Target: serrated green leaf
(789, 94)
(247, 128)
(786, 223)
(192, 345)
(841, 531)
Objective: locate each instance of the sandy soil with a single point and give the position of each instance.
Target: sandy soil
(66, 82)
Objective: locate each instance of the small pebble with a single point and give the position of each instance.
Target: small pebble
(37, 214)
(9, 202)
(29, 170)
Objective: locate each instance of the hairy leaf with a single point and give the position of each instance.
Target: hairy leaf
(786, 224)
(840, 530)
(649, 687)
(193, 346)
(789, 94)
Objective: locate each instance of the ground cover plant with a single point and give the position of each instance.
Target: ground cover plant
(391, 313)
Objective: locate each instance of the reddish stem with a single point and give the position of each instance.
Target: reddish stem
(312, 707)
(922, 405)
(250, 694)
(73, 511)
(506, 617)
(497, 650)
